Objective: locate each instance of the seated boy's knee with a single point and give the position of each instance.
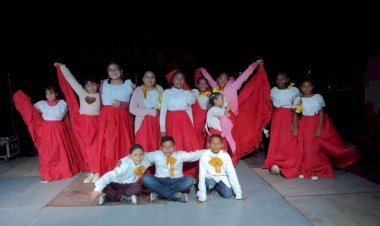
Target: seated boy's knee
(188, 180)
(227, 194)
(147, 179)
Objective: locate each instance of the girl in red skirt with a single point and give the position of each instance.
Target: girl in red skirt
(176, 118)
(281, 135)
(319, 148)
(84, 116)
(199, 108)
(58, 151)
(115, 134)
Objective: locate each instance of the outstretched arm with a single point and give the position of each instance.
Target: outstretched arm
(70, 79)
(208, 77)
(245, 75)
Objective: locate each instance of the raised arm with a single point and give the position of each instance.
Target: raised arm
(245, 75)
(70, 79)
(208, 77)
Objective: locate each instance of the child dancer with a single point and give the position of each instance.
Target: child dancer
(216, 171)
(122, 184)
(281, 135)
(55, 142)
(168, 182)
(145, 105)
(230, 88)
(115, 132)
(318, 140)
(199, 109)
(217, 121)
(84, 116)
(176, 118)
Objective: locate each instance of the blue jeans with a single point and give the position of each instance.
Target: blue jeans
(220, 187)
(166, 187)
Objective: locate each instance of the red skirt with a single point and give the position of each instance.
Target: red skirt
(314, 161)
(199, 116)
(149, 136)
(283, 143)
(115, 137)
(86, 132)
(57, 148)
(179, 126)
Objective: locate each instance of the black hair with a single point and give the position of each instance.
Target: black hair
(213, 97)
(167, 138)
(307, 79)
(52, 88)
(201, 78)
(215, 135)
(135, 147)
(89, 79)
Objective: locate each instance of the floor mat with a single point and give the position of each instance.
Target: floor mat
(78, 194)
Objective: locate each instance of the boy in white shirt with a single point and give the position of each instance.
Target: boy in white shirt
(169, 182)
(216, 171)
(123, 183)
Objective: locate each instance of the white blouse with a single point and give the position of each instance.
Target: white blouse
(310, 105)
(52, 113)
(122, 92)
(284, 98)
(203, 101)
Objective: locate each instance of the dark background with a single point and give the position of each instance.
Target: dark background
(331, 44)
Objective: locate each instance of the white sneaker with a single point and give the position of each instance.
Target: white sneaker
(275, 170)
(95, 178)
(154, 196)
(102, 199)
(314, 177)
(301, 176)
(45, 181)
(134, 199)
(89, 178)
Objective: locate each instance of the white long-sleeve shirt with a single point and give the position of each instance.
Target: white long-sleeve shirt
(283, 98)
(163, 168)
(212, 119)
(310, 105)
(52, 113)
(227, 173)
(121, 92)
(175, 100)
(203, 101)
(85, 107)
(123, 174)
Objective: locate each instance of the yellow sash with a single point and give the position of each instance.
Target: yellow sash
(206, 93)
(216, 163)
(171, 161)
(139, 171)
(145, 92)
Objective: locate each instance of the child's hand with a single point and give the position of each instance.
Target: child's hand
(295, 131)
(56, 64)
(152, 112)
(116, 103)
(94, 195)
(318, 133)
(259, 61)
(163, 134)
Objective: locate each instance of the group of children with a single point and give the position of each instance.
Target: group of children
(116, 116)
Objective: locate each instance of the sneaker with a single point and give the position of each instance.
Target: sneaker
(314, 177)
(154, 196)
(45, 181)
(301, 176)
(275, 170)
(102, 199)
(89, 178)
(129, 199)
(95, 178)
(180, 197)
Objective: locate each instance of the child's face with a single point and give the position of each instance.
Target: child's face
(178, 81)
(137, 156)
(281, 81)
(51, 95)
(114, 71)
(219, 101)
(202, 85)
(222, 80)
(306, 88)
(91, 87)
(168, 148)
(149, 79)
(215, 144)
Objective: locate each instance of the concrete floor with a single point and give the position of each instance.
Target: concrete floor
(272, 200)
